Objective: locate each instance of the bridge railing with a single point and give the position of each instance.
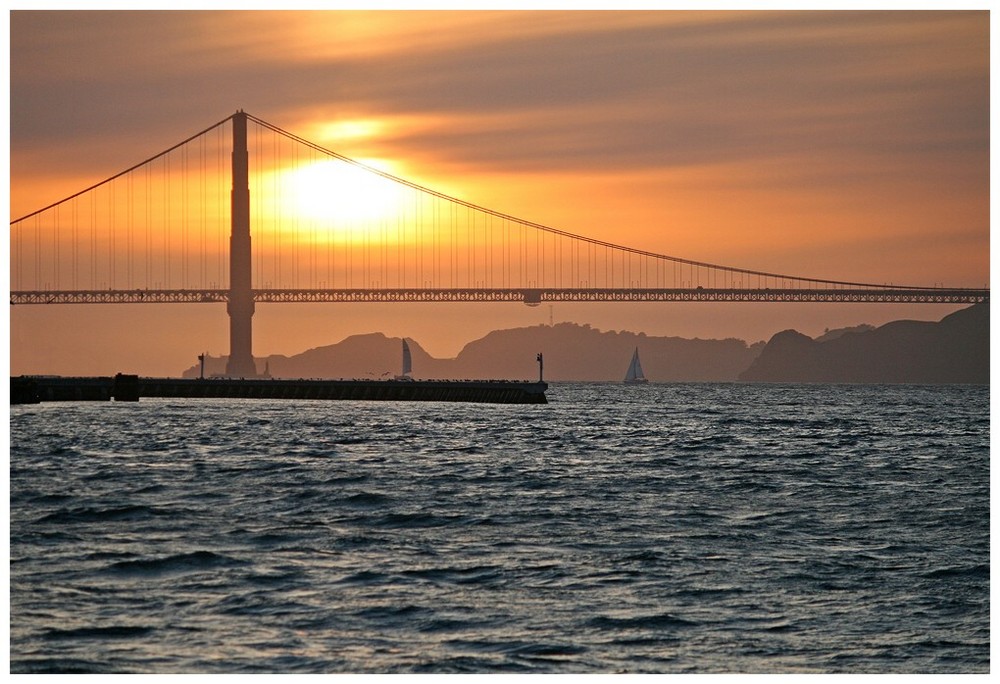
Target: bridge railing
(529, 296)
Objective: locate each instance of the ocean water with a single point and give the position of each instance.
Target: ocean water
(671, 528)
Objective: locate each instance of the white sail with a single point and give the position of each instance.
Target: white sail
(634, 374)
(407, 362)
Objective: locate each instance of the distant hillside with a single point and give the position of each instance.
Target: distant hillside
(579, 352)
(954, 350)
(840, 332)
(572, 352)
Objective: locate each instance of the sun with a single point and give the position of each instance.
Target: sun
(340, 193)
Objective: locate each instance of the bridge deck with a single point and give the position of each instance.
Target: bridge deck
(530, 296)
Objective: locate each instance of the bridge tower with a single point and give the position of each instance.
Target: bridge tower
(240, 306)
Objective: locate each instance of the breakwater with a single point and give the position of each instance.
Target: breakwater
(121, 387)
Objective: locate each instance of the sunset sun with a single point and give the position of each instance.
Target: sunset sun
(335, 191)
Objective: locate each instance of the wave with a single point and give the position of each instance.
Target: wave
(660, 621)
(478, 574)
(91, 514)
(197, 561)
(391, 612)
(366, 499)
(100, 633)
(58, 666)
(974, 571)
(365, 577)
(418, 520)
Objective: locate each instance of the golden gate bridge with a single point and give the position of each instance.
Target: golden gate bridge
(177, 227)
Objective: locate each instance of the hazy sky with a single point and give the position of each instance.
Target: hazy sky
(840, 145)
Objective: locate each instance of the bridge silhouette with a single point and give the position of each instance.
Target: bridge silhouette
(245, 212)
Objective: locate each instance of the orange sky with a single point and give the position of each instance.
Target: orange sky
(848, 146)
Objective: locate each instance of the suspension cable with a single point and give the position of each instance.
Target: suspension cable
(555, 231)
(122, 173)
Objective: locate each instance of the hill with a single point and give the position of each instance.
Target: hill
(954, 350)
(572, 352)
(579, 352)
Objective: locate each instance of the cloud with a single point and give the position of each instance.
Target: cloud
(662, 96)
(809, 99)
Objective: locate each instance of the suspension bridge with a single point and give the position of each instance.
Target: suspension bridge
(177, 227)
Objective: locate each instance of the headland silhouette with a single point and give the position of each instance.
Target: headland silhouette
(954, 350)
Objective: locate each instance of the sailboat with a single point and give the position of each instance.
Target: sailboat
(407, 363)
(634, 375)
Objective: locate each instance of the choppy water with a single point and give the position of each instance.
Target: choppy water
(667, 528)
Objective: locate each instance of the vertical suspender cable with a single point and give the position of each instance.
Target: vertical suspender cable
(166, 223)
(112, 234)
(129, 220)
(185, 170)
(222, 214)
(37, 254)
(76, 246)
(149, 231)
(93, 241)
(203, 214)
(276, 219)
(55, 252)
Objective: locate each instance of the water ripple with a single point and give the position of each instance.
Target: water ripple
(685, 528)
